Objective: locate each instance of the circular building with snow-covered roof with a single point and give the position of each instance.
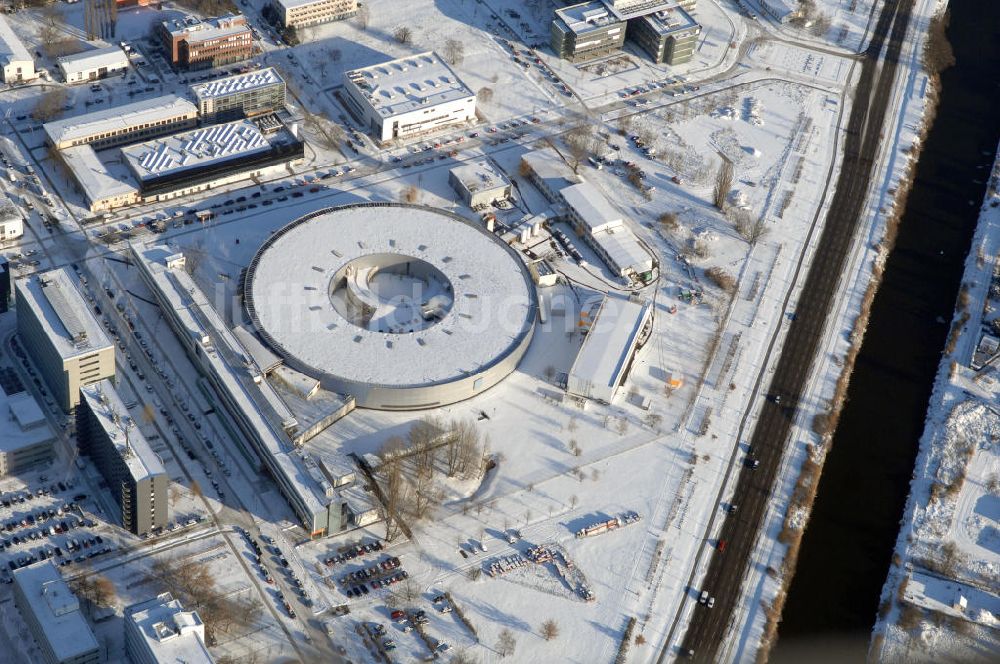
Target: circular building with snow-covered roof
(402, 306)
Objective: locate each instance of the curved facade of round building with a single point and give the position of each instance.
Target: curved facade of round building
(402, 306)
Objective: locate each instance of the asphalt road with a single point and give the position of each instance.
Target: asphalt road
(726, 570)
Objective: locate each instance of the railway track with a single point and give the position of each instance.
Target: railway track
(726, 571)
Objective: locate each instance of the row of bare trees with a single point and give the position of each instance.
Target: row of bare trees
(410, 464)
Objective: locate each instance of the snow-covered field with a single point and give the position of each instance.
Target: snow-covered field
(940, 600)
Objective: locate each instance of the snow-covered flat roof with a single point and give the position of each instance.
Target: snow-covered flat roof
(194, 149)
(56, 610)
(480, 175)
(238, 83)
(624, 249)
(170, 633)
(628, 9)
(292, 4)
(63, 313)
(550, 168)
(111, 56)
(119, 117)
(25, 422)
(111, 413)
(592, 207)
(493, 298)
(92, 176)
(670, 20)
(609, 345)
(407, 84)
(586, 17)
(11, 48)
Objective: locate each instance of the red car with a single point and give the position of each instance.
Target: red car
(398, 615)
(721, 546)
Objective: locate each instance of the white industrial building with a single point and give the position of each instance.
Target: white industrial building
(616, 330)
(93, 65)
(409, 97)
(479, 183)
(11, 221)
(781, 11)
(63, 338)
(53, 615)
(159, 630)
(16, 63)
(604, 229)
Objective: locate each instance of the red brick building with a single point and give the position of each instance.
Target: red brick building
(191, 43)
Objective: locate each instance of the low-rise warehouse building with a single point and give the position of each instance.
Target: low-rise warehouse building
(240, 96)
(547, 171)
(58, 330)
(123, 124)
(108, 435)
(670, 36)
(616, 331)
(409, 97)
(159, 630)
(92, 65)
(208, 156)
(303, 13)
(53, 615)
(16, 63)
(586, 31)
(604, 229)
(101, 190)
(27, 437)
(479, 183)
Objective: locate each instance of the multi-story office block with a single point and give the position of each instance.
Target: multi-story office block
(240, 96)
(61, 335)
(109, 127)
(107, 434)
(669, 36)
(302, 13)
(53, 615)
(192, 43)
(586, 31)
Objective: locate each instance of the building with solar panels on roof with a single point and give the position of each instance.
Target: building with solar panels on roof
(210, 156)
(60, 334)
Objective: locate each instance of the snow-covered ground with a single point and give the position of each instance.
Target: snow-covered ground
(770, 100)
(941, 599)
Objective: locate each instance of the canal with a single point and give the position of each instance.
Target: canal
(847, 548)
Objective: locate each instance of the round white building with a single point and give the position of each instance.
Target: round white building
(402, 306)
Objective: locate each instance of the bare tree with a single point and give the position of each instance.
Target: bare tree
(750, 228)
(485, 94)
(454, 51)
(578, 144)
(723, 184)
(362, 17)
(403, 35)
(411, 195)
(50, 105)
(550, 629)
(506, 643)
